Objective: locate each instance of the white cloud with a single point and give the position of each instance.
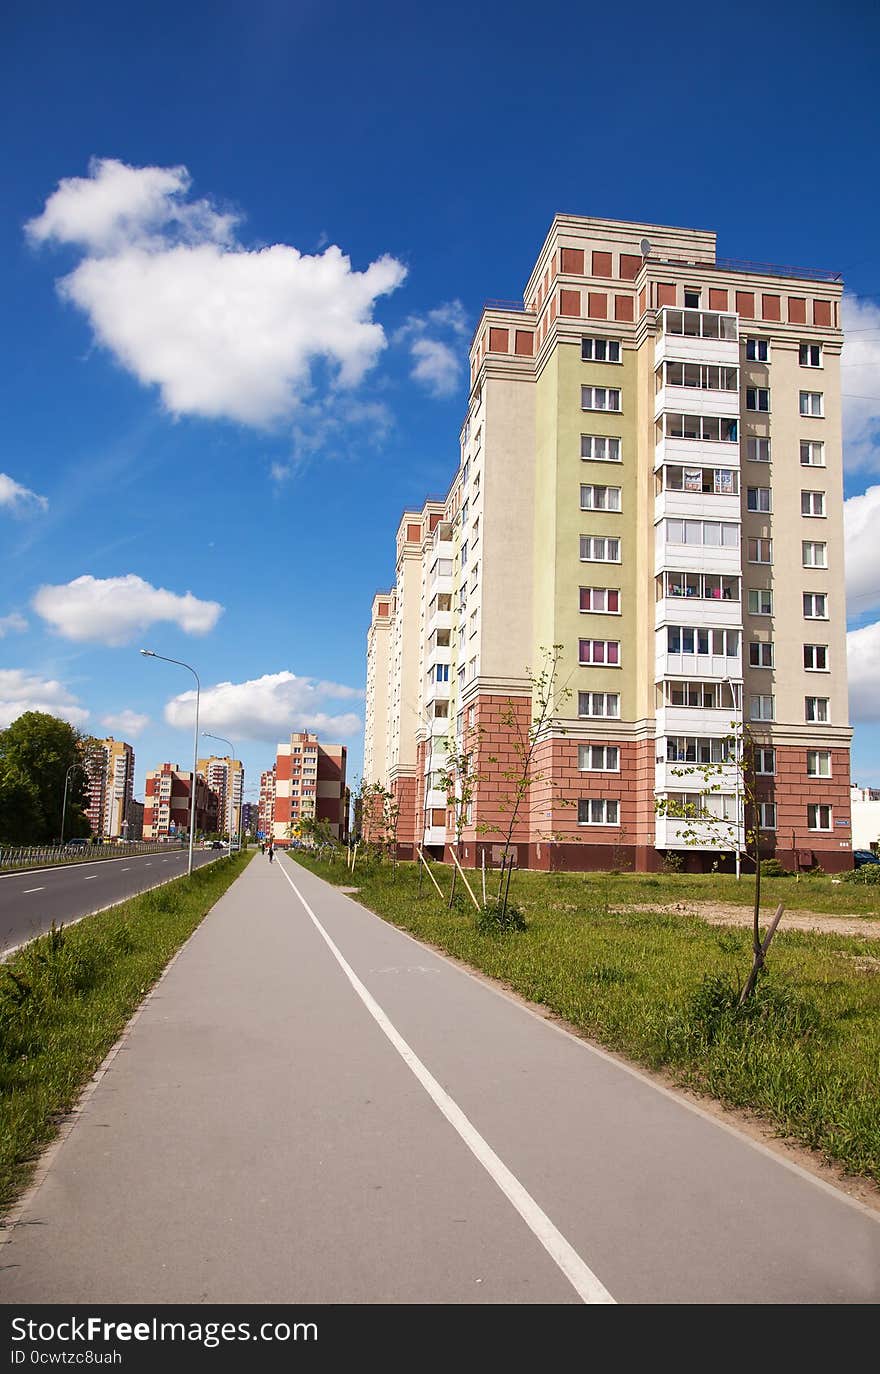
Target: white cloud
(268, 708)
(113, 610)
(860, 384)
(17, 498)
(861, 521)
(863, 666)
(224, 332)
(21, 691)
(127, 724)
(12, 623)
(437, 366)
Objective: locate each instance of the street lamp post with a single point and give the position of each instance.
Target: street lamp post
(206, 734)
(148, 653)
(64, 803)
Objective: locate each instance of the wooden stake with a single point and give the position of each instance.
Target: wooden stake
(464, 879)
(484, 877)
(354, 857)
(428, 871)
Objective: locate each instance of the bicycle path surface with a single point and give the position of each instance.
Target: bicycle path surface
(312, 1107)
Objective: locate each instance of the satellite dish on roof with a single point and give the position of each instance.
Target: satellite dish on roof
(645, 247)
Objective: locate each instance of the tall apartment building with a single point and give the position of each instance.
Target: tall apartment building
(650, 475)
(250, 818)
(225, 776)
(266, 804)
(167, 798)
(110, 770)
(309, 783)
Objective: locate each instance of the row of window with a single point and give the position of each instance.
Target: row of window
(601, 448)
(815, 604)
(686, 639)
(702, 587)
(816, 709)
(810, 403)
(815, 656)
(758, 351)
(696, 806)
(760, 499)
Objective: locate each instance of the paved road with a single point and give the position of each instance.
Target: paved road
(30, 902)
(315, 1108)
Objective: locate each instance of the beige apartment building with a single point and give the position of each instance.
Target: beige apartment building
(110, 770)
(308, 783)
(650, 475)
(225, 776)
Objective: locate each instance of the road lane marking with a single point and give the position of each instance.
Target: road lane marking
(585, 1283)
(32, 889)
(125, 870)
(90, 878)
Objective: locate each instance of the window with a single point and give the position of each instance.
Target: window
(767, 811)
(472, 623)
(761, 708)
(691, 298)
(816, 709)
(760, 550)
(600, 705)
(816, 658)
(818, 816)
(598, 811)
(707, 428)
(686, 639)
(441, 674)
(760, 655)
(765, 762)
(600, 398)
(758, 450)
(699, 324)
(814, 554)
(719, 481)
(811, 403)
(599, 651)
(701, 805)
(759, 499)
(603, 600)
(815, 606)
(600, 498)
(810, 355)
(595, 549)
(757, 350)
(812, 503)
(598, 758)
(760, 601)
(812, 453)
(714, 533)
(705, 376)
(706, 696)
(704, 586)
(818, 763)
(757, 398)
(687, 749)
(600, 449)
(600, 351)
(464, 554)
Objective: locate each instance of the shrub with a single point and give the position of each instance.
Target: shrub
(496, 919)
(772, 868)
(868, 874)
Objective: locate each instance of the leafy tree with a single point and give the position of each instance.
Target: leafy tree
(20, 816)
(458, 779)
(36, 751)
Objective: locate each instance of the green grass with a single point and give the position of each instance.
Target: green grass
(660, 988)
(66, 997)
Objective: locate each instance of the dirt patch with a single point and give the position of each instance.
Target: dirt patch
(729, 914)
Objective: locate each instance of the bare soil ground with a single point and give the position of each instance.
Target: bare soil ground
(729, 914)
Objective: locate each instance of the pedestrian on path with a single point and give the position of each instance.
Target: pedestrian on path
(271, 851)
(262, 847)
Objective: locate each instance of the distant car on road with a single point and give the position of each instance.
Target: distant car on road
(865, 856)
(76, 843)
(217, 844)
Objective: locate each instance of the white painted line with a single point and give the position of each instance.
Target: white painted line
(125, 870)
(32, 889)
(90, 878)
(582, 1279)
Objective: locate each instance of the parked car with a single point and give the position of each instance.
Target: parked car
(217, 844)
(76, 843)
(865, 856)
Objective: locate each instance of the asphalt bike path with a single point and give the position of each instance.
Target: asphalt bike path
(313, 1107)
(31, 901)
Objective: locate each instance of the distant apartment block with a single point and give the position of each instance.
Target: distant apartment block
(110, 770)
(167, 803)
(309, 782)
(650, 475)
(225, 776)
(250, 818)
(266, 806)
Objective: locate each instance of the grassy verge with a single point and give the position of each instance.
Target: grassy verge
(66, 997)
(660, 987)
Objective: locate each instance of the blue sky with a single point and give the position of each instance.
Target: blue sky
(187, 426)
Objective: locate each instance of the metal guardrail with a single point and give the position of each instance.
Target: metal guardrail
(38, 856)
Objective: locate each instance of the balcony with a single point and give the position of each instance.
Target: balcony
(695, 720)
(435, 834)
(436, 800)
(716, 667)
(438, 620)
(436, 691)
(678, 834)
(696, 400)
(709, 558)
(696, 505)
(672, 610)
(685, 777)
(696, 336)
(440, 576)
